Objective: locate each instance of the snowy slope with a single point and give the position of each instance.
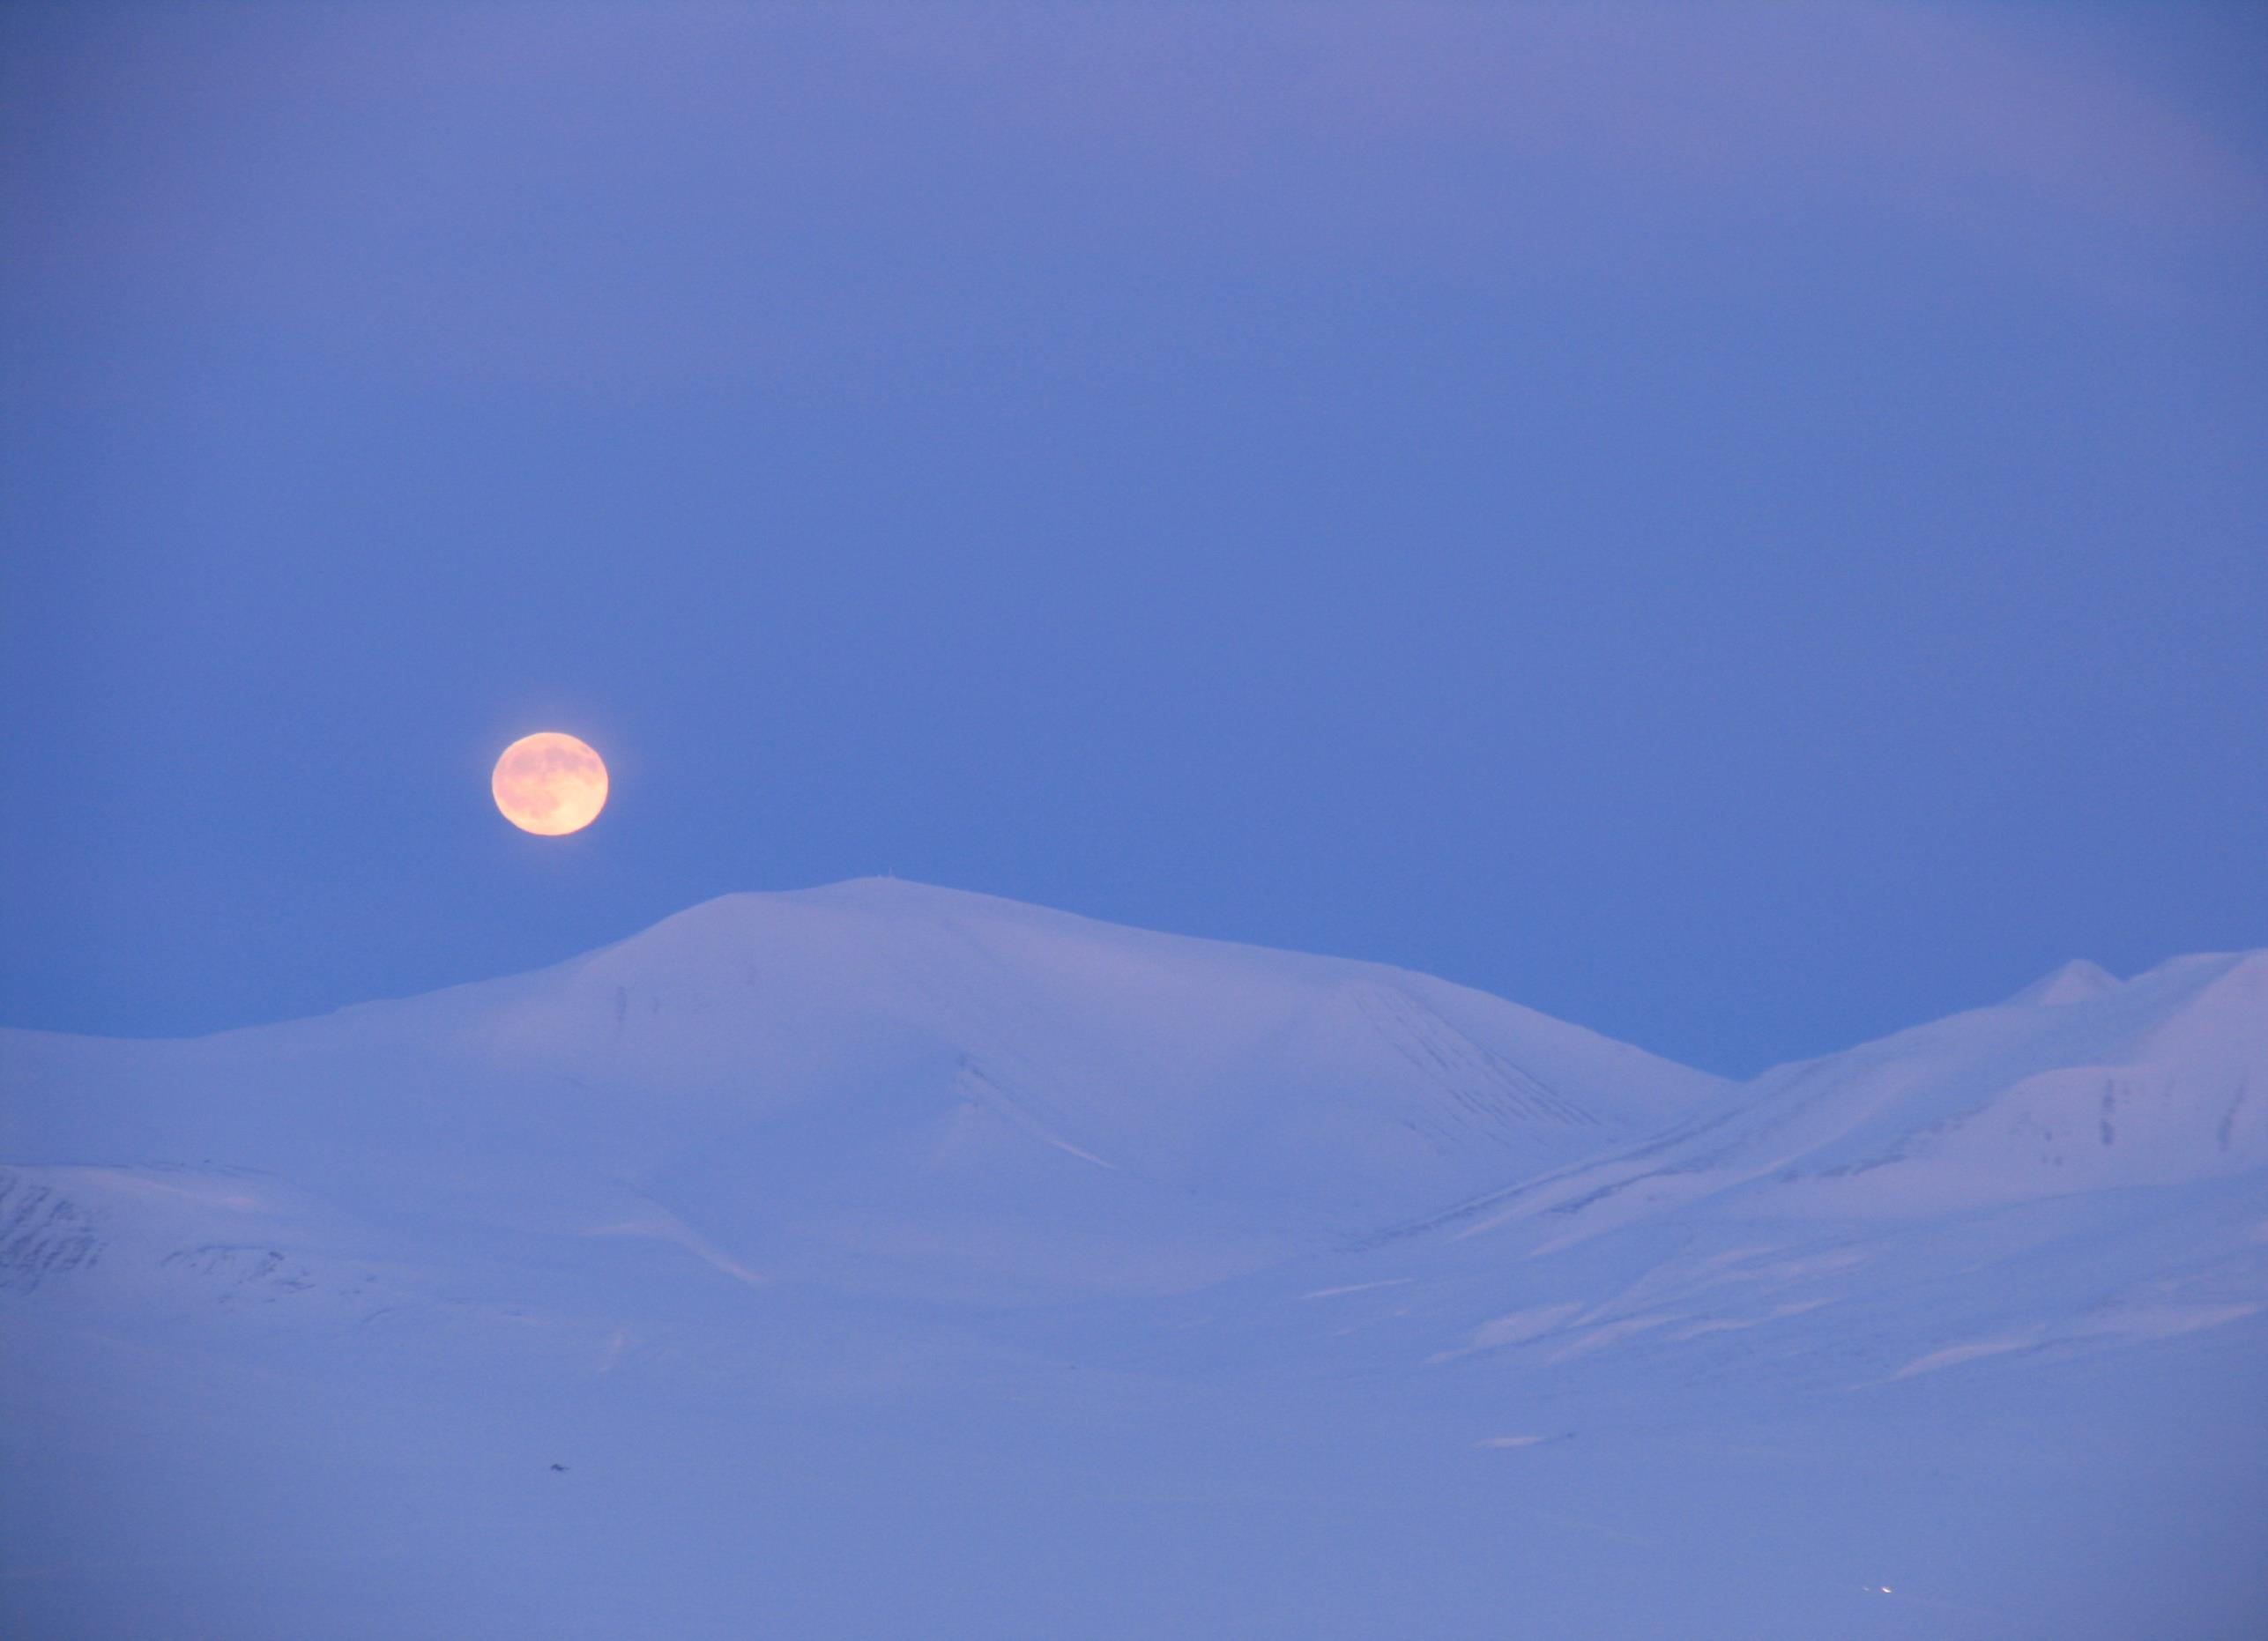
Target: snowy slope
(2081, 1167)
(882, 1083)
(881, 1260)
(2074, 1085)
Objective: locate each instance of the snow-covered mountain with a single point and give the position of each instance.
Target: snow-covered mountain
(883, 1259)
(2078, 1083)
(2083, 1167)
(881, 1083)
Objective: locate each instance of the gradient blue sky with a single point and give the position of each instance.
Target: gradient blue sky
(1740, 526)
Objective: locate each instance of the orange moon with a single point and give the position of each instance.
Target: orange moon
(549, 784)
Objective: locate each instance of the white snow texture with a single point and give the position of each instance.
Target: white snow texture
(885, 1261)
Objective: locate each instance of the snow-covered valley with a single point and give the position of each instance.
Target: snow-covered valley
(887, 1260)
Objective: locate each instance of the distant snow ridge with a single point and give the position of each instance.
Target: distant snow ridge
(2071, 1085)
(888, 1084)
(2074, 982)
(858, 1212)
(2083, 1167)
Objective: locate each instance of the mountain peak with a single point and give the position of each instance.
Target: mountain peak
(2074, 982)
(847, 1078)
(891, 899)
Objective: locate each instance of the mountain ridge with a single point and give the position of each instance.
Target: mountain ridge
(801, 1214)
(803, 1076)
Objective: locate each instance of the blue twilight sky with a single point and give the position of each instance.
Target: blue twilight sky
(1744, 527)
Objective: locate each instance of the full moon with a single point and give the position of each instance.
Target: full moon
(549, 784)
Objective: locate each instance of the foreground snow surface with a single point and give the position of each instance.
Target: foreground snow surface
(880, 1260)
